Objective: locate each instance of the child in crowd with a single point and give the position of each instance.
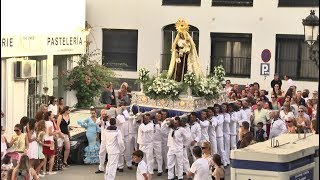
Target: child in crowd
(6, 166)
(142, 169)
(41, 129)
(261, 134)
(4, 143)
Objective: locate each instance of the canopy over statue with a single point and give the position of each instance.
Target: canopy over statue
(184, 56)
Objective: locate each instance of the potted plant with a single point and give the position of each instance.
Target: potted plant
(88, 78)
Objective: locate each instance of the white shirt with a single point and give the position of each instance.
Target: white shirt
(233, 123)
(133, 126)
(141, 169)
(248, 112)
(284, 116)
(226, 123)
(157, 136)
(200, 168)
(180, 136)
(195, 131)
(145, 134)
(219, 127)
(212, 127)
(277, 127)
(47, 137)
(242, 116)
(53, 109)
(104, 126)
(204, 130)
(165, 131)
(114, 141)
(295, 109)
(188, 134)
(122, 123)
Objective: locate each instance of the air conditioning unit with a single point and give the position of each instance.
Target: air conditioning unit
(24, 69)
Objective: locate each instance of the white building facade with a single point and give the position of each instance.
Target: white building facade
(235, 33)
(52, 41)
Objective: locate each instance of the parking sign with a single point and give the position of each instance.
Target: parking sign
(265, 69)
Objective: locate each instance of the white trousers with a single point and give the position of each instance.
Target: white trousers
(102, 154)
(157, 150)
(133, 142)
(213, 141)
(125, 156)
(186, 163)
(221, 152)
(165, 150)
(111, 167)
(148, 154)
(233, 142)
(175, 158)
(226, 140)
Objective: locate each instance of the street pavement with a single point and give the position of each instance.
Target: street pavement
(86, 172)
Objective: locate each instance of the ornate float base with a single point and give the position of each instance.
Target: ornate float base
(183, 104)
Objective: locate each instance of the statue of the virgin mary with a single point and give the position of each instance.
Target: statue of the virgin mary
(184, 56)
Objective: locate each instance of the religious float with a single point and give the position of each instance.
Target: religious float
(183, 88)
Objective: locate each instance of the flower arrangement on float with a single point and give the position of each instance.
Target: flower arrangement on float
(143, 75)
(163, 88)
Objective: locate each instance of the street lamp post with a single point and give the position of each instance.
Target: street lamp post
(311, 33)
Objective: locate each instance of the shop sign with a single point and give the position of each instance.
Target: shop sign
(30, 45)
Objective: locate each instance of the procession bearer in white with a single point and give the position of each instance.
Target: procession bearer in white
(204, 124)
(242, 116)
(186, 146)
(133, 134)
(104, 122)
(115, 146)
(145, 141)
(176, 137)
(123, 124)
(219, 130)
(157, 142)
(195, 132)
(165, 132)
(226, 131)
(212, 130)
(233, 126)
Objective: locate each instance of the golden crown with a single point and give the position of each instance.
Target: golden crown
(182, 25)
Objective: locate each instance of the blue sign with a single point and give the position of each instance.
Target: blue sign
(304, 175)
(265, 69)
(266, 55)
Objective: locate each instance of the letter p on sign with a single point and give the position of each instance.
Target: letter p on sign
(265, 69)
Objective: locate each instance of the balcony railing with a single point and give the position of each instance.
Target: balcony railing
(236, 66)
(232, 2)
(120, 60)
(306, 70)
(182, 2)
(298, 3)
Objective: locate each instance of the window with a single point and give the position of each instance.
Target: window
(169, 34)
(232, 2)
(120, 48)
(298, 3)
(233, 52)
(182, 2)
(292, 58)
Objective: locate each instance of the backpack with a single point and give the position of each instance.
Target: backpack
(22, 175)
